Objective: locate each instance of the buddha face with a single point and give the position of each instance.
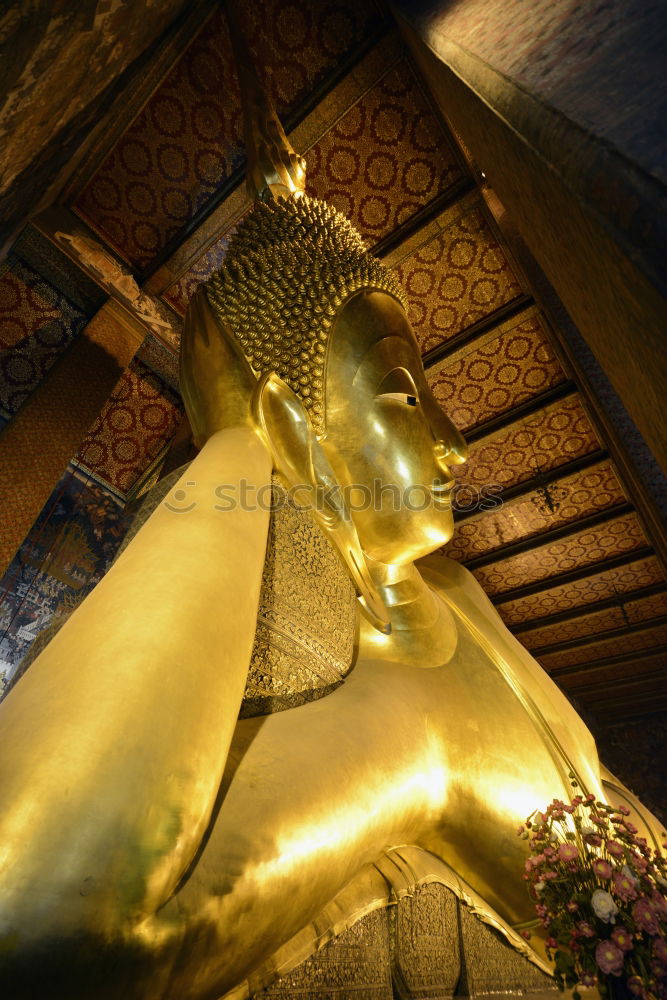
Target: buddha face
(387, 439)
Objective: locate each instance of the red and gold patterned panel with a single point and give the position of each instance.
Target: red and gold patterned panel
(613, 645)
(579, 593)
(597, 622)
(139, 418)
(574, 497)
(538, 443)
(188, 139)
(623, 534)
(460, 277)
(37, 323)
(25, 307)
(181, 292)
(494, 378)
(385, 159)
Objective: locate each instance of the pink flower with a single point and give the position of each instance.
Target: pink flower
(569, 809)
(635, 985)
(660, 950)
(609, 958)
(588, 979)
(602, 868)
(585, 929)
(568, 852)
(622, 938)
(571, 907)
(624, 886)
(526, 935)
(598, 820)
(615, 849)
(659, 904)
(593, 839)
(630, 827)
(590, 798)
(624, 810)
(551, 942)
(644, 917)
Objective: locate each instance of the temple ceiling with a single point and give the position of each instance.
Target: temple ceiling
(148, 213)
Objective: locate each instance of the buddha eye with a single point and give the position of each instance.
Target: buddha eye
(398, 385)
(402, 397)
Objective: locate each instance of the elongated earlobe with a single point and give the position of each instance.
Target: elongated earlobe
(299, 457)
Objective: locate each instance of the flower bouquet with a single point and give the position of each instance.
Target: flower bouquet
(600, 893)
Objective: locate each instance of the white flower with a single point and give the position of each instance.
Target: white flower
(587, 829)
(539, 886)
(604, 906)
(660, 880)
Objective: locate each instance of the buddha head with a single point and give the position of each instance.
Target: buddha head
(313, 345)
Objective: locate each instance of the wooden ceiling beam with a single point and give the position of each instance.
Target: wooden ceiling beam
(589, 609)
(548, 537)
(425, 215)
(656, 699)
(571, 576)
(542, 479)
(627, 680)
(520, 412)
(587, 640)
(610, 722)
(475, 330)
(608, 661)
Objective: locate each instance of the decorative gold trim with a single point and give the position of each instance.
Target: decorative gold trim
(395, 875)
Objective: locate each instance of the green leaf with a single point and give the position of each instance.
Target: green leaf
(564, 962)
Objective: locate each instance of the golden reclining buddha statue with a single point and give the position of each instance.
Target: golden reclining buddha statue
(152, 844)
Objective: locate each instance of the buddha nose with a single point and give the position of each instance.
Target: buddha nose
(452, 452)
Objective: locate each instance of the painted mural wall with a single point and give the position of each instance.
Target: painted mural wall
(45, 303)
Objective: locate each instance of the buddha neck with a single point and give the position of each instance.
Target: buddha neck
(423, 628)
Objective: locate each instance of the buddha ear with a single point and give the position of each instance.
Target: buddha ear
(299, 457)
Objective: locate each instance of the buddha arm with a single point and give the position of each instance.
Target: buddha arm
(115, 740)
(396, 755)
(563, 729)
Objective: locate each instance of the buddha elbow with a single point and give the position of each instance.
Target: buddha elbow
(58, 944)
